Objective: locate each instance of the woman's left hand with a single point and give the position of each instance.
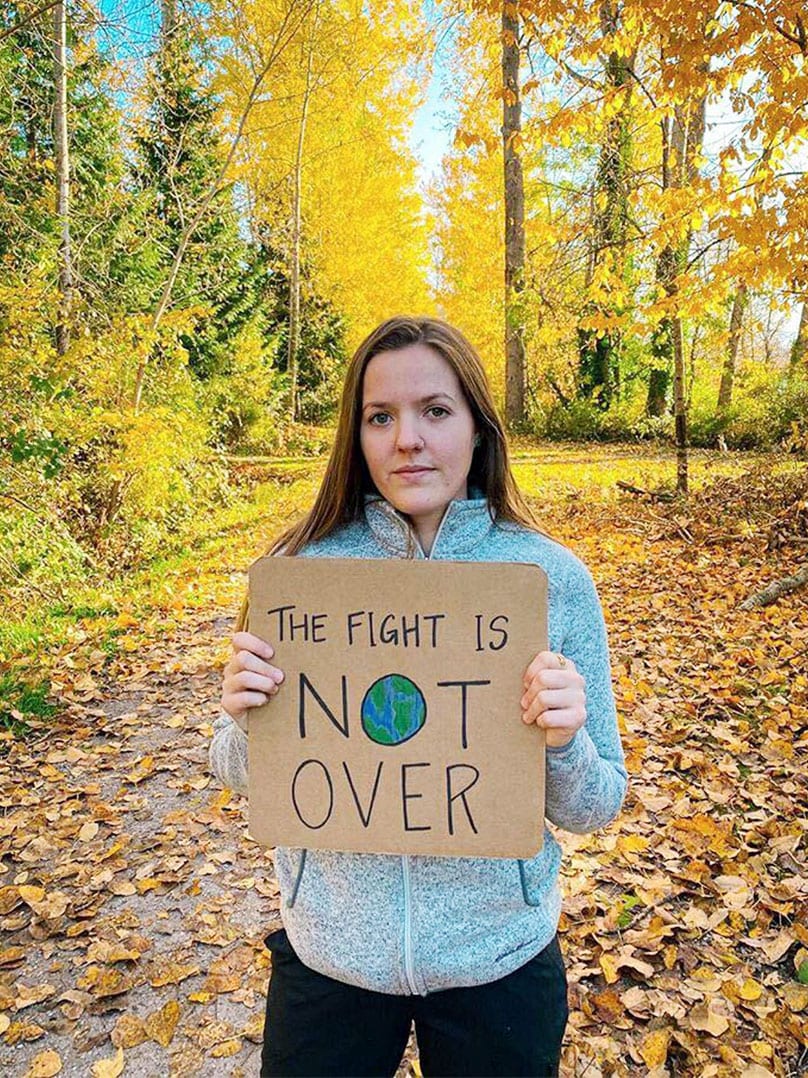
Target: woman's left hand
(554, 697)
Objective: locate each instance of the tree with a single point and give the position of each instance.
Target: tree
(514, 217)
(600, 349)
(799, 349)
(62, 152)
(338, 188)
(739, 302)
(293, 335)
(180, 159)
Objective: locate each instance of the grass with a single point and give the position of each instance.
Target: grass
(22, 701)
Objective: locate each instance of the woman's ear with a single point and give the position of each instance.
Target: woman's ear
(477, 440)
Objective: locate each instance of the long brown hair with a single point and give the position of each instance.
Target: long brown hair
(347, 480)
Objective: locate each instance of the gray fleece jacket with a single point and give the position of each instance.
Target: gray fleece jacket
(413, 925)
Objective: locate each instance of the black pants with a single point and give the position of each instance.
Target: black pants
(316, 1026)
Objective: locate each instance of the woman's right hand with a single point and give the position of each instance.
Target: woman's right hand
(249, 678)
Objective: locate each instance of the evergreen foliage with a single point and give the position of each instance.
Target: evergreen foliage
(179, 156)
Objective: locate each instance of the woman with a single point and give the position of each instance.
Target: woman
(465, 947)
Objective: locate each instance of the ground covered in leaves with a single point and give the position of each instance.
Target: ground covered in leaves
(134, 907)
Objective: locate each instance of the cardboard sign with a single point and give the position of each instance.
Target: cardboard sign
(397, 728)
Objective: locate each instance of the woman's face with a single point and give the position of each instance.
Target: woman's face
(417, 434)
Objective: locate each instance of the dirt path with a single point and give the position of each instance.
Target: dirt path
(134, 905)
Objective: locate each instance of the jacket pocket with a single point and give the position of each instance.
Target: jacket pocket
(524, 885)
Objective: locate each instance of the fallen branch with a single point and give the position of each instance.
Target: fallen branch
(775, 590)
(719, 540)
(655, 495)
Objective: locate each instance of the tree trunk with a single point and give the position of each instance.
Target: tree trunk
(293, 341)
(514, 220)
(62, 161)
(168, 20)
(799, 349)
(662, 337)
(599, 354)
(679, 406)
(668, 342)
(682, 138)
(728, 373)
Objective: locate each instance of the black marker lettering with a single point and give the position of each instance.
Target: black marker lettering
(405, 797)
(300, 816)
(410, 630)
(450, 797)
(496, 629)
(463, 704)
(305, 684)
(388, 636)
(434, 619)
(479, 619)
(353, 618)
(295, 626)
(279, 610)
(318, 625)
(364, 818)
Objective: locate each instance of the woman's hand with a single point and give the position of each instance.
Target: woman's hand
(554, 697)
(249, 679)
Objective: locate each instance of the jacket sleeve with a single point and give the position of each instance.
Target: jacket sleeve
(586, 779)
(228, 754)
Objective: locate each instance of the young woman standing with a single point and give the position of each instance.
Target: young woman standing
(466, 948)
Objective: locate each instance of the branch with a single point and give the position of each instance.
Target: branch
(557, 390)
(775, 590)
(642, 85)
(582, 80)
(9, 30)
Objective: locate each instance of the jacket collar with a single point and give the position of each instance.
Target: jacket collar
(466, 522)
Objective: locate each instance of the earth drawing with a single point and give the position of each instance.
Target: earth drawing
(393, 710)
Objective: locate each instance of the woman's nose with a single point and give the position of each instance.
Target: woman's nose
(409, 435)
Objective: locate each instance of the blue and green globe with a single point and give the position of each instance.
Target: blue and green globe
(393, 710)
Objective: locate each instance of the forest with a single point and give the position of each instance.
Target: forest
(204, 208)
(204, 211)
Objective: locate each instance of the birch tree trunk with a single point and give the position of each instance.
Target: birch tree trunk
(293, 343)
(62, 160)
(668, 340)
(799, 349)
(514, 219)
(682, 138)
(728, 372)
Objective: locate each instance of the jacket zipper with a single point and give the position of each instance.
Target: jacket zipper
(409, 965)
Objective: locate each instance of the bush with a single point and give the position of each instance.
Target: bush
(769, 409)
(583, 421)
(579, 421)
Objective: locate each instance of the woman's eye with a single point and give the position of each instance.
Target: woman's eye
(379, 419)
(438, 411)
